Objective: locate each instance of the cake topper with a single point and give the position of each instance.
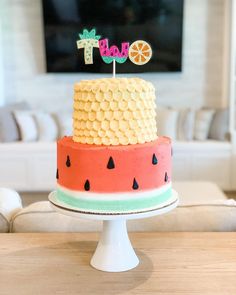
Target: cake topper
(139, 52)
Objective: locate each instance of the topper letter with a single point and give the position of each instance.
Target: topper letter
(108, 55)
(88, 40)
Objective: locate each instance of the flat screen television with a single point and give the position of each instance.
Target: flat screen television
(159, 22)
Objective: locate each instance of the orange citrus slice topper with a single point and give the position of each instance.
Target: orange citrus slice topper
(140, 52)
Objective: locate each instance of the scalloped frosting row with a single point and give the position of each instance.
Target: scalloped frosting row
(113, 111)
(114, 85)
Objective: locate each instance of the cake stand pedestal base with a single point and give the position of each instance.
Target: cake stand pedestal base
(114, 252)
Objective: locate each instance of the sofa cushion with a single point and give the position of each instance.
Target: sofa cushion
(8, 128)
(40, 217)
(203, 120)
(199, 193)
(185, 124)
(220, 125)
(27, 125)
(64, 123)
(200, 218)
(46, 125)
(167, 122)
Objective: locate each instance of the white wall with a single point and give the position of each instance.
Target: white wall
(1, 63)
(200, 83)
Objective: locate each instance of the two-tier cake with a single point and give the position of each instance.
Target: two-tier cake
(115, 163)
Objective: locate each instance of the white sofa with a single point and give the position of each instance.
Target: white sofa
(203, 207)
(32, 166)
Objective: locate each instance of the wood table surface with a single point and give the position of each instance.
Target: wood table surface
(170, 263)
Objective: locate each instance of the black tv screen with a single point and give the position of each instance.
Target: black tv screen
(159, 22)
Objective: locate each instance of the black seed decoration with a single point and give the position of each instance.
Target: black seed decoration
(166, 177)
(110, 164)
(57, 175)
(135, 184)
(154, 159)
(87, 185)
(68, 164)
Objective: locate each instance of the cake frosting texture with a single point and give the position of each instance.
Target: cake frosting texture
(114, 111)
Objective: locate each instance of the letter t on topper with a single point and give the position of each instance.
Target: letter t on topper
(88, 40)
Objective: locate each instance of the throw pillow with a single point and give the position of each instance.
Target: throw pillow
(8, 128)
(9, 131)
(167, 122)
(64, 122)
(27, 125)
(46, 125)
(220, 125)
(202, 123)
(185, 124)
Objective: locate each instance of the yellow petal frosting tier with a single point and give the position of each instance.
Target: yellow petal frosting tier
(114, 111)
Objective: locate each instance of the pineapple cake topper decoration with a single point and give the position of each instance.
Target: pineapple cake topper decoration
(139, 52)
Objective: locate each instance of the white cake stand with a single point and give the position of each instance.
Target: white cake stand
(114, 252)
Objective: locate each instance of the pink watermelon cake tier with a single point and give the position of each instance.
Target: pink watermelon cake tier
(114, 179)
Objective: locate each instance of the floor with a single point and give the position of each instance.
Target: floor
(29, 198)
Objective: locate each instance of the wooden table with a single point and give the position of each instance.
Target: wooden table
(170, 263)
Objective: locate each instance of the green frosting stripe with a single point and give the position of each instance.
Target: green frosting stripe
(114, 205)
